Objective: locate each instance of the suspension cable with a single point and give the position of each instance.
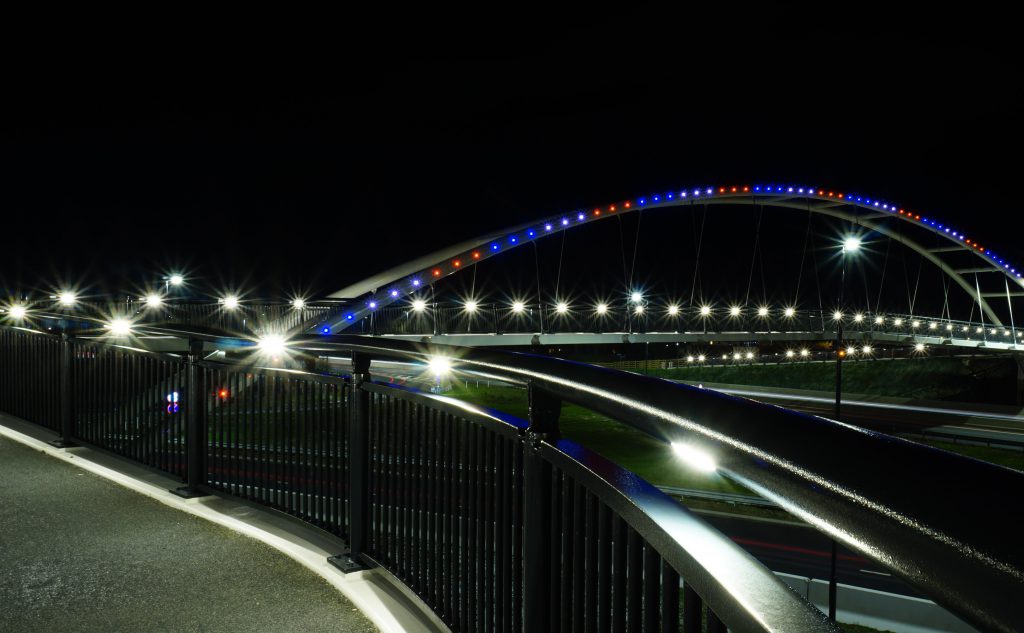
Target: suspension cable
(803, 255)
(881, 282)
(696, 268)
(753, 255)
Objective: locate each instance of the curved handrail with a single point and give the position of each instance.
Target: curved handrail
(956, 547)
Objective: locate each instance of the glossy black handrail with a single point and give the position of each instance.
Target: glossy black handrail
(865, 489)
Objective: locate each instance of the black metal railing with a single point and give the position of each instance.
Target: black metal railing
(500, 524)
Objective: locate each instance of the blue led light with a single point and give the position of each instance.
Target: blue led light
(350, 316)
(547, 227)
(326, 330)
(710, 191)
(565, 222)
(758, 188)
(494, 247)
(656, 198)
(641, 201)
(580, 217)
(394, 293)
(682, 194)
(416, 282)
(669, 196)
(531, 233)
(373, 305)
(513, 239)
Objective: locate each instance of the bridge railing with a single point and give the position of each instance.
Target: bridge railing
(500, 524)
(488, 318)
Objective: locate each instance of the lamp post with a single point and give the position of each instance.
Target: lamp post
(850, 245)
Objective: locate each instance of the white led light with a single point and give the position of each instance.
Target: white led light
(694, 457)
(561, 307)
(601, 308)
(734, 311)
(636, 297)
(639, 310)
(858, 317)
(705, 310)
(419, 305)
(439, 365)
(790, 353)
(851, 350)
(673, 310)
(789, 312)
(837, 316)
(471, 306)
(518, 307)
(230, 302)
(272, 344)
(120, 327)
(919, 347)
(298, 303)
(866, 349)
(67, 298)
(177, 280)
(805, 352)
(17, 312)
(153, 300)
(700, 358)
(879, 320)
(762, 311)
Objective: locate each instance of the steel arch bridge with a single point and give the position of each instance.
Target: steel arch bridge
(374, 293)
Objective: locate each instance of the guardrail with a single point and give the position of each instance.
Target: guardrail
(499, 524)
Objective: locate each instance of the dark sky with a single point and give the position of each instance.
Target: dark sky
(273, 163)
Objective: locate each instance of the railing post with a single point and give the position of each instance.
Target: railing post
(67, 394)
(358, 469)
(544, 411)
(195, 435)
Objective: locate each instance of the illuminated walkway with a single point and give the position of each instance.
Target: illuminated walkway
(80, 553)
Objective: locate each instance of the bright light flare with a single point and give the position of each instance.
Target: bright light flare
(17, 312)
(837, 316)
(851, 350)
(518, 307)
(120, 327)
(298, 303)
(470, 306)
(439, 365)
(866, 349)
(705, 311)
(858, 318)
(638, 310)
(272, 344)
(230, 302)
(789, 313)
(694, 457)
(762, 311)
(701, 358)
(602, 308)
(851, 244)
(561, 307)
(879, 320)
(177, 280)
(805, 353)
(67, 298)
(419, 305)
(919, 347)
(673, 310)
(790, 353)
(636, 297)
(734, 311)
(154, 300)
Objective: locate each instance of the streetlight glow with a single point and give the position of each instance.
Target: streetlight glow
(851, 244)
(439, 365)
(518, 307)
(762, 311)
(67, 298)
(120, 327)
(705, 311)
(177, 280)
(230, 302)
(638, 310)
(673, 310)
(419, 305)
(470, 306)
(272, 344)
(734, 311)
(694, 457)
(790, 313)
(153, 300)
(17, 312)
(298, 303)
(601, 308)
(837, 316)
(636, 297)
(561, 307)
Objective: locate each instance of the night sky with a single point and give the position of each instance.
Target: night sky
(277, 168)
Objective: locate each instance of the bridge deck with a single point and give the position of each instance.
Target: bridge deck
(81, 553)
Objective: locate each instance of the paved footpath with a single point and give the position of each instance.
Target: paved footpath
(79, 553)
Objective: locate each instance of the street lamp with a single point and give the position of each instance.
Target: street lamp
(850, 245)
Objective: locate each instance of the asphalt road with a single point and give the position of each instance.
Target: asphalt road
(79, 553)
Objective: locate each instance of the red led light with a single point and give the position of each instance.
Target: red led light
(721, 190)
(745, 189)
(821, 192)
(831, 195)
(476, 255)
(611, 208)
(734, 189)
(626, 205)
(456, 263)
(917, 217)
(223, 393)
(437, 272)
(840, 196)
(597, 212)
